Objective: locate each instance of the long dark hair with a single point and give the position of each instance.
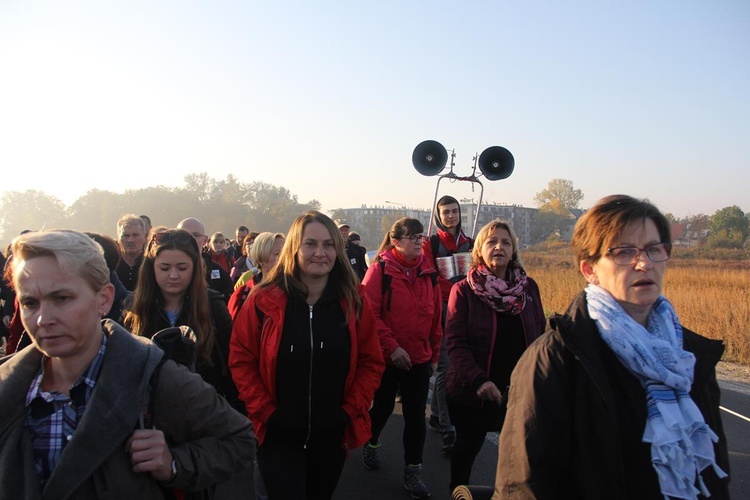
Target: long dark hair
(147, 297)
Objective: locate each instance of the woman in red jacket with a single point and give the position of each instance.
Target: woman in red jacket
(305, 357)
(402, 288)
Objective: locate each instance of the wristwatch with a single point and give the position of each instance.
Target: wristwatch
(174, 470)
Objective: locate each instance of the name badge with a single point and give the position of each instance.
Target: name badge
(215, 274)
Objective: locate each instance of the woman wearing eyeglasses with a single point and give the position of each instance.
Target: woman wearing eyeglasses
(172, 291)
(305, 355)
(402, 288)
(618, 400)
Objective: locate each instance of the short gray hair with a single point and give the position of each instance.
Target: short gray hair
(130, 220)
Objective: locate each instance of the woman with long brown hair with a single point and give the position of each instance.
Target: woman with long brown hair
(305, 357)
(172, 291)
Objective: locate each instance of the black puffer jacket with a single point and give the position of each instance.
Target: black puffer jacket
(576, 418)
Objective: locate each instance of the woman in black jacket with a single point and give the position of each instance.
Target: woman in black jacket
(172, 291)
(619, 400)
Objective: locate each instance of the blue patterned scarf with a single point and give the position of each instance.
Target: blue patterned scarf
(681, 442)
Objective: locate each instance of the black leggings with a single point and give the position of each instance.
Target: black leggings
(472, 426)
(294, 472)
(414, 385)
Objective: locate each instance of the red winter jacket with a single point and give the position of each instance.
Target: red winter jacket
(411, 319)
(253, 358)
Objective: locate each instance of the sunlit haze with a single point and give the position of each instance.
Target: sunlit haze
(328, 99)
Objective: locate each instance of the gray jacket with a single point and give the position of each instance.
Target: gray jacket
(208, 439)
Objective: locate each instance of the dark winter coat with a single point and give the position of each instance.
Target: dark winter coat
(208, 439)
(217, 374)
(217, 278)
(471, 330)
(568, 410)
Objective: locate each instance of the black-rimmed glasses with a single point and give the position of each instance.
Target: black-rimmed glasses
(627, 255)
(414, 238)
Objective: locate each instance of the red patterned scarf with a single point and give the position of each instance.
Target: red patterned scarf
(507, 297)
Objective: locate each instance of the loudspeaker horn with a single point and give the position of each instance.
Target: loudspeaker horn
(429, 158)
(496, 163)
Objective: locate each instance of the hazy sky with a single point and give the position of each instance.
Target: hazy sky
(328, 99)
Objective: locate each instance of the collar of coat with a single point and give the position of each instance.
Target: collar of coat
(579, 334)
(111, 415)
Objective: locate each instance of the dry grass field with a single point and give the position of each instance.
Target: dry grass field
(711, 297)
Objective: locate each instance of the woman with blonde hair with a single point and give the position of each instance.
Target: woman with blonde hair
(265, 251)
(305, 357)
(493, 316)
(74, 402)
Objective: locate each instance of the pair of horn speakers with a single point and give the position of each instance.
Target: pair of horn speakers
(430, 157)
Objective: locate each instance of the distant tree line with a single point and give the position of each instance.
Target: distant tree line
(225, 204)
(728, 227)
(559, 203)
(222, 205)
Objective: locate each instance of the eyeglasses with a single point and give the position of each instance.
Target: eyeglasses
(625, 256)
(414, 238)
(177, 235)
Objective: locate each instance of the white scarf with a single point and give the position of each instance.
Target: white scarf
(681, 442)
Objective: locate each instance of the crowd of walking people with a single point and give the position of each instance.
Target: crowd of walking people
(167, 364)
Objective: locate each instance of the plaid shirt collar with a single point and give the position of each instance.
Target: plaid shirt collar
(87, 379)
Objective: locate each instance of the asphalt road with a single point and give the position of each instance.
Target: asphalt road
(357, 483)
(735, 402)
(386, 484)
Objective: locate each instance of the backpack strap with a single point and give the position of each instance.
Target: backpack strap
(435, 245)
(386, 284)
(146, 419)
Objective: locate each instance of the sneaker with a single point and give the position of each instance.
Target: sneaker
(434, 423)
(413, 481)
(370, 456)
(449, 440)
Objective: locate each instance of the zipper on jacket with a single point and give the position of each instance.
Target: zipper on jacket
(309, 380)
